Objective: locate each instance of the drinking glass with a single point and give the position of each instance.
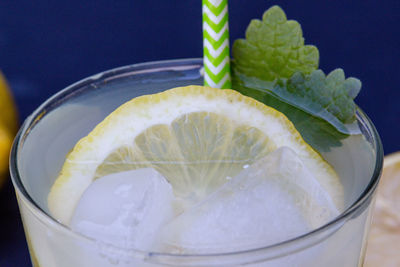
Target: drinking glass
(53, 129)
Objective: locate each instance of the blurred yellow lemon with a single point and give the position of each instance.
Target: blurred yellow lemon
(8, 126)
(384, 239)
(5, 145)
(8, 114)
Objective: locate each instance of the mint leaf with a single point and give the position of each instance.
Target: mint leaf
(274, 66)
(274, 48)
(330, 95)
(327, 97)
(315, 131)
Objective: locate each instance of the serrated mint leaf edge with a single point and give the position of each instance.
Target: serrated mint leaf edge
(265, 87)
(309, 58)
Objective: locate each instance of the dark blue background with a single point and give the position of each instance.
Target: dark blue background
(47, 45)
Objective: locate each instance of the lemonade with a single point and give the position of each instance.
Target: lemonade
(311, 220)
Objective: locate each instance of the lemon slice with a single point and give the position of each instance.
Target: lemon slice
(384, 238)
(194, 136)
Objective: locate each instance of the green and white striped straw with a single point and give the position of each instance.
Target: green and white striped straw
(216, 44)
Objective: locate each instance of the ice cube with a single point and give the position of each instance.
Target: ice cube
(310, 197)
(125, 209)
(272, 200)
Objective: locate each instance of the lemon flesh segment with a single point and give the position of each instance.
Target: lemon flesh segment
(194, 136)
(192, 158)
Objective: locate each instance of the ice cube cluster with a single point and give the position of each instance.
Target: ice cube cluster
(272, 200)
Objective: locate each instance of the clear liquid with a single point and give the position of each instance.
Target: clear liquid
(44, 151)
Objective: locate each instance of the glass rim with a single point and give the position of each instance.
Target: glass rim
(70, 90)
